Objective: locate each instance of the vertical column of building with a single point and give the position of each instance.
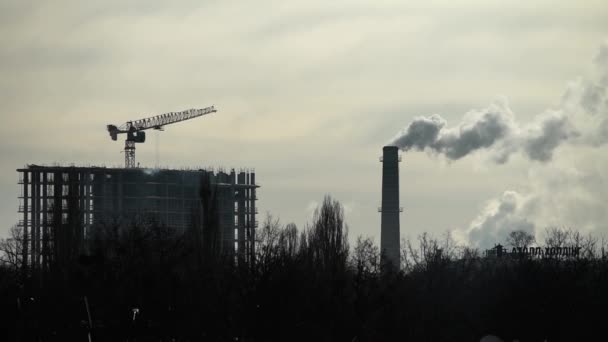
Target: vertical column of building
(99, 196)
(35, 217)
(170, 219)
(84, 193)
(65, 232)
(252, 217)
(247, 230)
(119, 186)
(87, 204)
(90, 204)
(74, 214)
(180, 189)
(57, 216)
(38, 200)
(81, 183)
(241, 212)
(247, 224)
(45, 222)
(225, 201)
(25, 225)
(389, 234)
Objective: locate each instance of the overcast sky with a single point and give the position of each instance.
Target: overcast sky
(307, 93)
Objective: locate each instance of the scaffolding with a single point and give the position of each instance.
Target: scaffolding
(61, 206)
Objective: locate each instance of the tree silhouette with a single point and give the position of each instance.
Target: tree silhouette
(520, 239)
(11, 249)
(306, 285)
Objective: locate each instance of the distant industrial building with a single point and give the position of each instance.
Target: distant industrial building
(62, 206)
(389, 224)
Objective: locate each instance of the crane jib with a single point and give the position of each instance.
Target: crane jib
(168, 118)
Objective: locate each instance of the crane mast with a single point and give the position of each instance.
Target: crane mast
(135, 129)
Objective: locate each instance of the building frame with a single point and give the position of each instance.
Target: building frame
(61, 206)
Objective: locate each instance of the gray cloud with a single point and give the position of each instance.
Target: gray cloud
(592, 97)
(585, 103)
(601, 61)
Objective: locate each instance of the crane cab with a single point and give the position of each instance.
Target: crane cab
(136, 136)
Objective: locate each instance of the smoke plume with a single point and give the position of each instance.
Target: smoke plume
(568, 189)
(572, 192)
(500, 217)
(581, 118)
(493, 127)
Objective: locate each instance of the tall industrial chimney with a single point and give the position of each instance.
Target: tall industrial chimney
(389, 226)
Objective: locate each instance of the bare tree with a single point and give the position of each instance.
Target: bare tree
(328, 235)
(428, 251)
(469, 253)
(557, 237)
(366, 256)
(267, 240)
(520, 239)
(449, 248)
(288, 240)
(11, 248)
(588, 244)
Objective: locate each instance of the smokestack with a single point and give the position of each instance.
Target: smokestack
(389, 226)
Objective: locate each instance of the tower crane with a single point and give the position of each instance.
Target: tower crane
(135, 129)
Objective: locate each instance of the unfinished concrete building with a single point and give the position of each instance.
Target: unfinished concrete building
(62, 206)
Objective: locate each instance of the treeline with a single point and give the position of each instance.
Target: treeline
(146, 282)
